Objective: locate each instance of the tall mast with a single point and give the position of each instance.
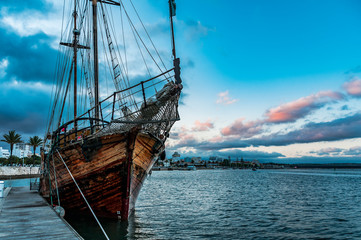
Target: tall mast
(96, 64)
(75, 47)
(171, 14)
(176, 61)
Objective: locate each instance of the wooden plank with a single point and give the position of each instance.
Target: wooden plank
(26, 215)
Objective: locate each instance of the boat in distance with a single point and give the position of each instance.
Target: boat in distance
(96, 161)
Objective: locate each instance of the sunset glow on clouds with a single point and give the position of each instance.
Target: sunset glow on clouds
(353, 87)
(290, 112)
(225, 99)
(243, 129)
(202, 126)
(242, 134)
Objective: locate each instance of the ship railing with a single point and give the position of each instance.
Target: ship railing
(107, 107)
(85, 124)
(63, 136)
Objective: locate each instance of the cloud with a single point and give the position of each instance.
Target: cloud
(339, 129)
(24, 107)
(211, 146)
(290, 112)
(21, 5)
(27, 58)
(344, 108)
(223, 98)
(354, 151)
(353, 87)
(248, 155)
(328, 151)
(319, 160)
(188, 63)
(160, 27)
(3, 66)
(202, 126)
(243, 129)
(196, 30)
(356, 69)
(27, 18)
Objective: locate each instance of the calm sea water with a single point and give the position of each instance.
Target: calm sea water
(241, 204)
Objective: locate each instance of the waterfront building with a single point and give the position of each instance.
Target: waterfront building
(215, 159)
(256, 163)
(196, 159)
(22, 150)
(176, 157)
(166, 163)
(4, 153)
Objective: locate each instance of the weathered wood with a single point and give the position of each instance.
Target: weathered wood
(110, 171)
(26, 215)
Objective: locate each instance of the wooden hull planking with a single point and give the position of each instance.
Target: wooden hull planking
(109, 170)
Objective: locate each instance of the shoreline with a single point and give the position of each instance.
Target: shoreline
(11, 177)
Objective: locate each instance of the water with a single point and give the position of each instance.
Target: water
(240, 204)
(25, 182)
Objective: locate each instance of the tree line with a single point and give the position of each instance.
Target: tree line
(13, 138)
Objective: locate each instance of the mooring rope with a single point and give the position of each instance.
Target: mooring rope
(56, 182)
(101, 227)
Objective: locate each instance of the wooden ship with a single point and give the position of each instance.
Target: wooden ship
(100, 158)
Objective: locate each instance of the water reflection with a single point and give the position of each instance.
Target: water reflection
(239, 204)
(88, 228)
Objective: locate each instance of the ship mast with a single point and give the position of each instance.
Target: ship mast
(171, 14)
(176, 61)
(75, 47)
(96, 63)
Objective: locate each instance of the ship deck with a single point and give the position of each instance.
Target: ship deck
(24, 214)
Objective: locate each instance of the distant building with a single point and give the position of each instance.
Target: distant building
(213, 158)
(176, 157)
(256, 163)
(166, 163)
(187, 159)
(22, 150)
(4, 153)
(196, 159)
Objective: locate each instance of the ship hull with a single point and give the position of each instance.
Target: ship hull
(109, 170)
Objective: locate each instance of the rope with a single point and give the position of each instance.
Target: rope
(56, 182)
(105, 234)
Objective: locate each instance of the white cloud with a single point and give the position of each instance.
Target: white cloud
(225, 99)
(29, 23)
(3, 65)
(15, 84)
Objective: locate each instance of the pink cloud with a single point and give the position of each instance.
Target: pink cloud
(223, 98)
(202, 126)
(290, 112)
(216, 139)
(353, 87)
(186, 139)
(243, 129)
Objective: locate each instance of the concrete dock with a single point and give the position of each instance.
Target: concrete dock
(24, 214)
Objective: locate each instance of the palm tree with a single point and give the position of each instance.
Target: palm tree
(12, 138)
(35, 142)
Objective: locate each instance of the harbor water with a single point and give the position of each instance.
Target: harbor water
(240, 204)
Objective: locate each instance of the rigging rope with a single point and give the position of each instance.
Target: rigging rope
(132, 25)
(148, 35)
(56, 182)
